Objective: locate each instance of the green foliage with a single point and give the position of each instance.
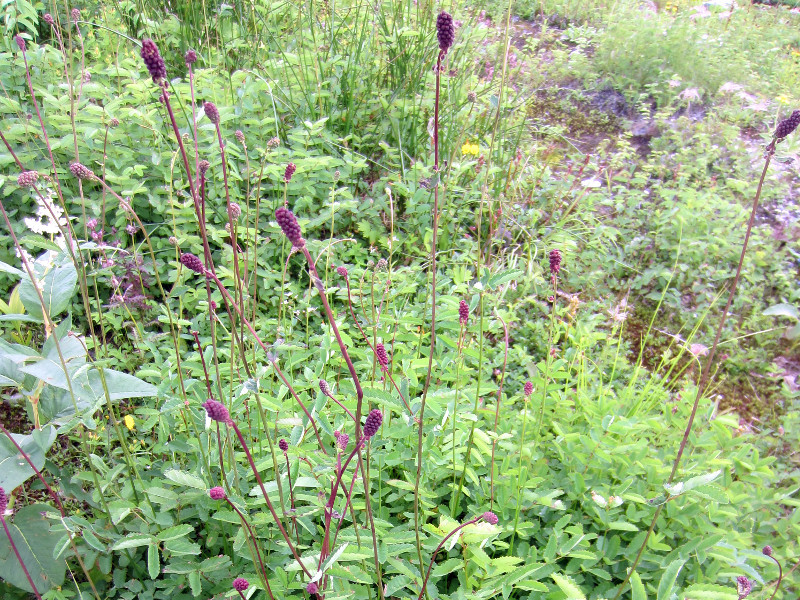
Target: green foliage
(113, 362)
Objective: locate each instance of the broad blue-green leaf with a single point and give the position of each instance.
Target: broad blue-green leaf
(6, 268)
(35, 543)
(57, 288)
(14, 469)
(12, 356)
(782, 310)
(87, 387)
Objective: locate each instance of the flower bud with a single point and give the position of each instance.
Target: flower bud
(445, 31)
(290, 226)
(212, 112)
(193, 263)
(152, 59)
(216, 411)
(80, 171)
(383, 358)
(373, 423)
(27, 178)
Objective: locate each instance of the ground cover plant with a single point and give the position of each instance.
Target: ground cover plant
(396, 300)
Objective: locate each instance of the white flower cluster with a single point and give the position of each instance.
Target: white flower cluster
(48, 215)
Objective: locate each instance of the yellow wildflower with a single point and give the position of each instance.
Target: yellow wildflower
(795, 52)
(473, 149)
(784, 99)
(129, 422)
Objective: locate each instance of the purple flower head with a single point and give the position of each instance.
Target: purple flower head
(787, 126)
(383, 358)
(290, 226)
(48, 18)
(283, 445)
(203, 167)
(216, 493)
(490, 517)
(342, 271)
(114, 122)
(555, 261)
(20, 42)
(240, 584)
(239, 136)
(528, 389)
(216, 411)
(766, 551)
(190, 57)
(234, 211)
(373, 423)
(342, 441)
(287, 174)
(91, 224)
(312, 588)
(324, 387)
(445, 31)
(212, 112)
(192, 262)
(3, 502)
(27, 178)
(743, 587)
(463, 312)
(153, 61)
(80, 171)
(75, 14)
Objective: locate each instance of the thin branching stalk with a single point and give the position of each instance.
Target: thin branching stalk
(253, 467)
(705, 375)
(480, 258)
(254, 541)
(359, 400)
(497, 409)
(780, 574)
(434, 240)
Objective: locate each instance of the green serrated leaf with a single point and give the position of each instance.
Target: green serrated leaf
(638, 591)
(153, 563)
(668, 579)
(569, 587)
